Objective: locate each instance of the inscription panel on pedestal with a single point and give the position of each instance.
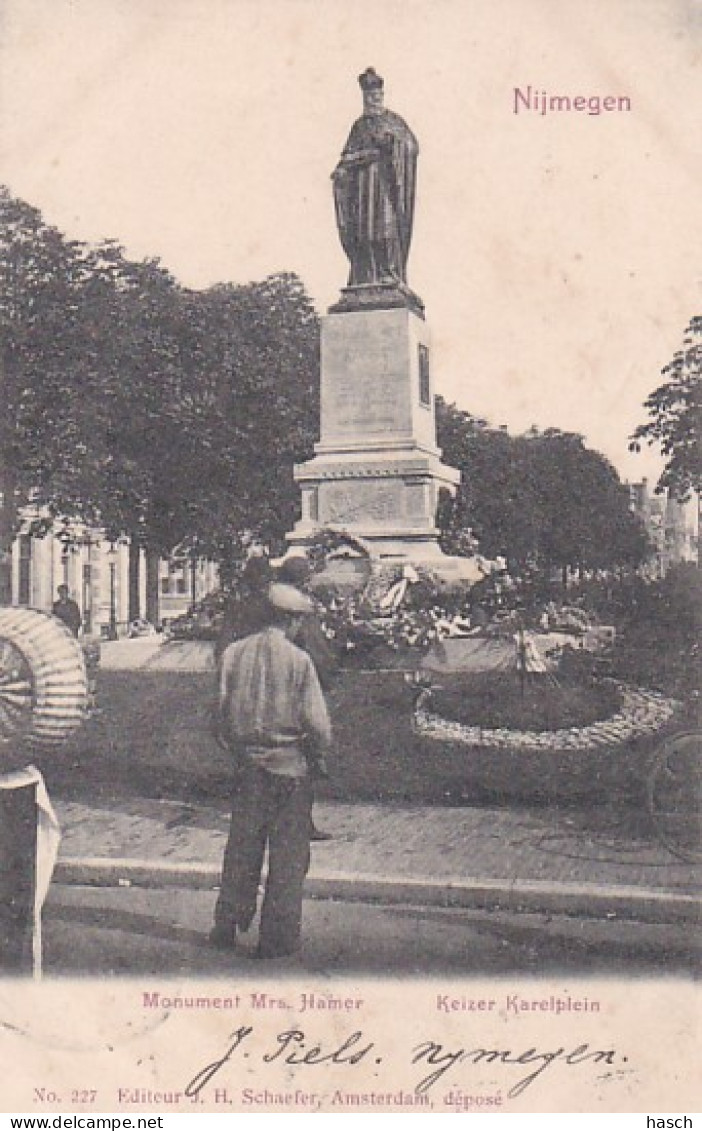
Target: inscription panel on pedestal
(365, 378)
(371, 501)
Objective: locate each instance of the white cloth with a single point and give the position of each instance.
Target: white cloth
(534, 661)
(47, 843)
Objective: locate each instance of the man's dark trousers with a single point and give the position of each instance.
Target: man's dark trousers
(267, 809)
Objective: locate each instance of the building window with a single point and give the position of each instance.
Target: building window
(424, 391)
(175, 582)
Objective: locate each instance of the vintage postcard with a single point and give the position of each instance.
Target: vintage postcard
(349, 589)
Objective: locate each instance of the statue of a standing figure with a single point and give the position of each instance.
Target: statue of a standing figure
(374, 185)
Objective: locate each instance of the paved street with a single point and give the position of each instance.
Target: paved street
(132, 931)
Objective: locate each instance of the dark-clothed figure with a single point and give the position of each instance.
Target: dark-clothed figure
(296, 571)
(18, 834)
(29, 838)
(67, 610)
(274, 718)
(247, 609)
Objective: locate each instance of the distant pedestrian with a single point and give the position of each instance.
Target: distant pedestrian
(274, 719)
(67, 610)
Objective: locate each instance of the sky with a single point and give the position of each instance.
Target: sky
(557, 255)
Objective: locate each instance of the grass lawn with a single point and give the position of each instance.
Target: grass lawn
(151, 738)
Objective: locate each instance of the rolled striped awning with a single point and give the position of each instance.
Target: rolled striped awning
(44, 693)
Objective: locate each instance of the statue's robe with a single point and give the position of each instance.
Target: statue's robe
(374, 187)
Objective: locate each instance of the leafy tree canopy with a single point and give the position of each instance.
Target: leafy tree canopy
(542, 500)
(675, 417)
(165, 414)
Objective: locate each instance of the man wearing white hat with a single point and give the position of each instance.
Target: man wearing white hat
(274, 719)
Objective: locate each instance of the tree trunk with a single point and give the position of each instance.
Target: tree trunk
(8, 518)
(153, 612)
(5, 572)
(134, 563)
(7, 491)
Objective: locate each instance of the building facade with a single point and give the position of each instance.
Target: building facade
(669, 526)
(96, 572)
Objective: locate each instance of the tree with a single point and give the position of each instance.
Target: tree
(170, 416)
(255, 389)
(675, 409)
(496, 499)
(134, 322)
(40, 359)
(542, 500)
(90, 346)
(585, 518)
(675, 424)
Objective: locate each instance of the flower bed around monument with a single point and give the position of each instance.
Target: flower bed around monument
(641, 714)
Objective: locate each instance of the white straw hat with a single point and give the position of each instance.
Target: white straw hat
(288, 599)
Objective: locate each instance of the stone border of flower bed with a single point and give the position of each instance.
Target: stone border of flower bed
(641, 713)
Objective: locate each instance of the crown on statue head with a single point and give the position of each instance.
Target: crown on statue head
(370, 80)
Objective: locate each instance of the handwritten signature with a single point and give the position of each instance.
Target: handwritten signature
(291, 1049)
(295, 1049)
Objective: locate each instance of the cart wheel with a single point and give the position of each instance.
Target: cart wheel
(43, 683)
(675, 795)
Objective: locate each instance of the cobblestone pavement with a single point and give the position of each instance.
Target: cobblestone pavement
(430, 843)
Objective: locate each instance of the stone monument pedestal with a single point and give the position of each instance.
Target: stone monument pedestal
(377, 472)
